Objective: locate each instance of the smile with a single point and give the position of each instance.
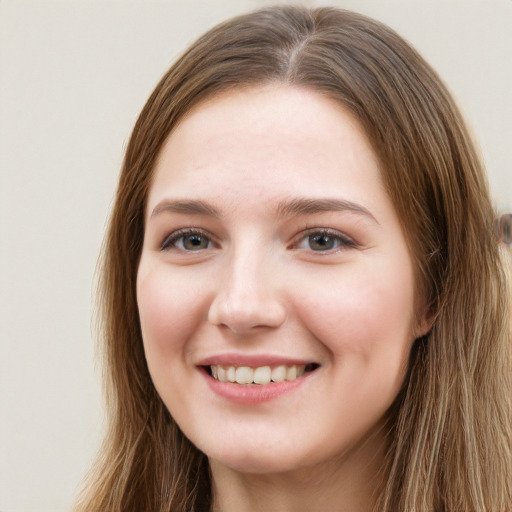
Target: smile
(260, 375)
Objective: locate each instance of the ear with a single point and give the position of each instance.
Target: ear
(424, 322)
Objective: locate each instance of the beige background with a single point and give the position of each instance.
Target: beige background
(73, 77)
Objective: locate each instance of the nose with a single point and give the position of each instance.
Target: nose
(247, 298)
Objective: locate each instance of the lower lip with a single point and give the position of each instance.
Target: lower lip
(250, 394)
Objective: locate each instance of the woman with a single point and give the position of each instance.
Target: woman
(304, 304)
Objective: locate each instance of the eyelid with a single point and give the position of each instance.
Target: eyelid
(346, 241)
(171, 238)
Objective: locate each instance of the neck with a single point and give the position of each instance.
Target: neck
(349, 483)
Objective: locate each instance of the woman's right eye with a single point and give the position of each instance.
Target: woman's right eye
(187, 240)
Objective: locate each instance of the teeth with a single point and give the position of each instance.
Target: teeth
(291, 373)
(231, 374)
(221, 374)
(279, 373)
(261, 375)
(244, 375)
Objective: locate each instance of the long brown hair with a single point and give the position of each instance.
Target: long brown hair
(450, 428)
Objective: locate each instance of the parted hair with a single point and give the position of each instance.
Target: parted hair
(449, 430)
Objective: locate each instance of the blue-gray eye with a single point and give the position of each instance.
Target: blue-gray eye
(187, 241)
(195, 242)
(323, 241)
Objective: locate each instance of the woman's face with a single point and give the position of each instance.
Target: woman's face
(273, 257)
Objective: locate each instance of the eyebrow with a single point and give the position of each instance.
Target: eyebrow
(288, 208)
(190, 207)
(304, 206)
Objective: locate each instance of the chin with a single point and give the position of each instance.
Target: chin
(256, 465)
(258, 460)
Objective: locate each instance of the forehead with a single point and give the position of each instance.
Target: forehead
(279, 136)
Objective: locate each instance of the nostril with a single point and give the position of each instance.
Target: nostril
(247, 316)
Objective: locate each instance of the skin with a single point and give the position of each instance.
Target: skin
(258, 284)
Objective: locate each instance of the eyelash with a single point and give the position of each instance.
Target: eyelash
(170, 240)
(342, 241)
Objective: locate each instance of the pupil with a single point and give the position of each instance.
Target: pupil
(321, 242)
(194, 242)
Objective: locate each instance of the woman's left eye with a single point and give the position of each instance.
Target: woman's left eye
(187, 241)
(325, 241)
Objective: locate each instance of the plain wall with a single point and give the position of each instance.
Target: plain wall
(73, 77)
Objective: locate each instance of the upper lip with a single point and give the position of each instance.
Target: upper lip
(252, 360)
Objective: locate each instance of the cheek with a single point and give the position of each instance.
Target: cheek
(363, 310)
(169, 311)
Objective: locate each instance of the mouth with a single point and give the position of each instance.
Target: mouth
(261, 375)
